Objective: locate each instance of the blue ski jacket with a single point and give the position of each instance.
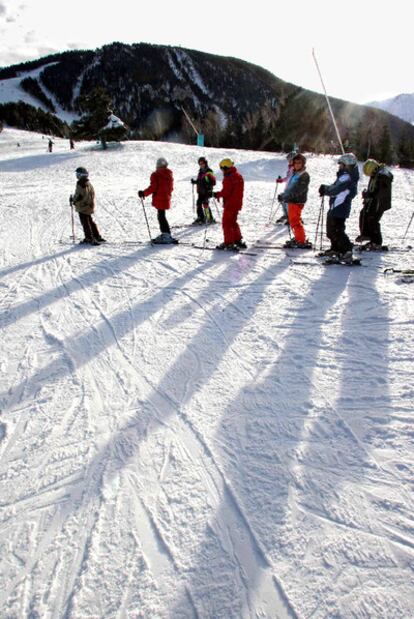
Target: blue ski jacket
(342, 192)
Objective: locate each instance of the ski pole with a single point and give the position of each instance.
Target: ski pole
(192, 189)
(72, 217)
(320, 215)
(322, 223)
(408, 227)
(146, 219)
(217, 208)
(273, 203)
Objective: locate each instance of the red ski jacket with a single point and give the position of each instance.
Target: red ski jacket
(232, 191)
(161, 187)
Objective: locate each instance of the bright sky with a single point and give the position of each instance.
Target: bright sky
(364, 49)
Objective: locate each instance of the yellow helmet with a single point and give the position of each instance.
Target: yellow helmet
(226, 163)
(370, 167)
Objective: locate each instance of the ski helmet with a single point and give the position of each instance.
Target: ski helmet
(292, 154)
(226, 163)
(347, 159)
(82, 173)
(299, 157)
(370, 167)
(162, 163)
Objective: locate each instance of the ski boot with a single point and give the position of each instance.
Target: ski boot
(227, 246)
(305, 245)
(346, 257)
(240, 244)
(164, 239)
(291, 243)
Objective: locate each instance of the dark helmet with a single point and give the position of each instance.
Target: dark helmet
(299, 157)
(82, 173)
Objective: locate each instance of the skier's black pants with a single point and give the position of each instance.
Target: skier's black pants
(335, 231)
(90, 229)
(162, 220)
(369, 224)
(203, 209)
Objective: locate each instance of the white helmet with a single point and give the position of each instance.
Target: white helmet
(162, 163)
(292, 154)
(347, 159)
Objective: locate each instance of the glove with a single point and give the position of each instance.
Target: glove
(322, 190)
(193, 181)
(279, 179)
(141, 194)
(280, 198)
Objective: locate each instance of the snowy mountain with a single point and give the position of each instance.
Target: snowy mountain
(187, 433)
(233, 103)
(401, 106)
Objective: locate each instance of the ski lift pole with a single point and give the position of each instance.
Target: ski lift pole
(146, 220)
(408, 227)
(72, 217)
(328, 102)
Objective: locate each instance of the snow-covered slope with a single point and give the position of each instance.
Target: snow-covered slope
(186, 433)
(12, 92)
(401, 106)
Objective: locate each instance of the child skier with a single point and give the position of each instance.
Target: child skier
(341, 193)
(295, 195)
(232, 194)
(84, 202)
(205, 182)
(284, 219)
(161, 187)
(376, 199)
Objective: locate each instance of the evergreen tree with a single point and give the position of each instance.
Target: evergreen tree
(95, 108)
(384, 146)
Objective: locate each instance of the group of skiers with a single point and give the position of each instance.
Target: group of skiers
(376, 200)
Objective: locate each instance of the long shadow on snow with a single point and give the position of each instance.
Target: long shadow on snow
(160, 405)
(345, 486)
(260, 440)
(97, 274)
(36, 262)
(34, 162)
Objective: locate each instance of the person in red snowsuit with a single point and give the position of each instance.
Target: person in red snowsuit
(161, 187)
(232, 194)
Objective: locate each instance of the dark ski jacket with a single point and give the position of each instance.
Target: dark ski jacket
(342, 192)
(377, 197)
(205, 182)
(297, 190)
(84, 197)
(232, 191)
(160, 187)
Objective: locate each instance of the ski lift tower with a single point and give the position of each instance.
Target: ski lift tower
(200, 136)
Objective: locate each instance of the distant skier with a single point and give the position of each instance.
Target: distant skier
(205, 182)
(50, 145)
(84, 202)
(232, 194)
(295, 195)
(376, 199)
(71, 144)
(161, 187)
(341, 193)
(284, 219)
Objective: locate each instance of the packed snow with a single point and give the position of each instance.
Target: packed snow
(188, 433)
